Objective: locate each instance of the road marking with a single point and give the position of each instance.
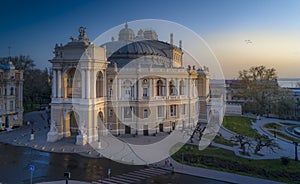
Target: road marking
(133, 177)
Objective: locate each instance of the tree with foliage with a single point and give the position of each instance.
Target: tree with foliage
(21, 62)
(258, 84)
(243, 141)
(37, 87)
(284, 104)
(264, 141)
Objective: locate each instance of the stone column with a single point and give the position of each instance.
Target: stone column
(150, 88)
(93, 83)
(153, 87)
(59, 87)
(167, 88)
(140, 90)
(104, 93)
(83, 84)
(119, 95)
(54, 83)
(88, 82)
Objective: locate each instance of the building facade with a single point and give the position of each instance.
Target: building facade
(137, 85)
(11, 94)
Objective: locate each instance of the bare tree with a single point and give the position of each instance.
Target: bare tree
(198, 130)
(264, 141)
(243, 141)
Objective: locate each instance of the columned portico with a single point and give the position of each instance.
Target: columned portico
(74, 97)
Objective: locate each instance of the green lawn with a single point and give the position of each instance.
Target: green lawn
(284, 136)
(240, 125)
(221, 140)
(224, 160)
(272, 125)
(288, 124)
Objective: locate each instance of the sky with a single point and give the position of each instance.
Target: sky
(240, 33)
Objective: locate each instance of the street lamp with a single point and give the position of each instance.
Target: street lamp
(296, 150)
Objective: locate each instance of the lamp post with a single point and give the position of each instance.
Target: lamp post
(296, 150)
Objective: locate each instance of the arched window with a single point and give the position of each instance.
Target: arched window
(99, 85)
(72, 83)
(159, 88)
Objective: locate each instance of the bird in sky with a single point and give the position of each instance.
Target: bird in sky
(248, 41)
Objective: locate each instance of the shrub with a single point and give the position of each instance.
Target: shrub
(284, 160)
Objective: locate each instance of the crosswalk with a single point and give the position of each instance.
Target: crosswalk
(133, 177)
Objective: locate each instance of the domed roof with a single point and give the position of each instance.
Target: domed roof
(145, 47)
(139, 49)
(126, 33)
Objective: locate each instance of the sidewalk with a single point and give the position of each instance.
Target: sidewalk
(216, 175)
(63, 182)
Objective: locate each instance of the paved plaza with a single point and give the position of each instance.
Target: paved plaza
(21, 137)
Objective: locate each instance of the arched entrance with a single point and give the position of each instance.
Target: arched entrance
(71, 125)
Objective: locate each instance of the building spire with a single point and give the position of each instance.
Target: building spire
(171, 38)
(126, 25)
(82, 33)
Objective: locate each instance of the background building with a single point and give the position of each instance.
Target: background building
(11, 95)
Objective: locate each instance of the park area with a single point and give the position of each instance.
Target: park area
(283, 169)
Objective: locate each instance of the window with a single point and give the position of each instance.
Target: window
(145, 113)
(5, 91)
(11, 105)
(127, 112)
(159, 88)
(5, 106)
(110, 92)
(173, 110)
(183, 109)
(110, 113)
(11, 91)
(161, 111)
(145, 91)
(0, 91)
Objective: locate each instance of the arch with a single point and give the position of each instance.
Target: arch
(99, 85)
(159, 88)
(72, 83)
(71, 120)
